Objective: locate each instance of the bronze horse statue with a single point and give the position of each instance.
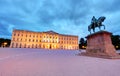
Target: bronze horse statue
(96, 23)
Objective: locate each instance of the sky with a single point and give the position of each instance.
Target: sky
(62, 16)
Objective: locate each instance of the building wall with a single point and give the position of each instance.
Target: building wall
(45, 40)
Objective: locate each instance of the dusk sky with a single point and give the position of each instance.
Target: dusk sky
(62, 16)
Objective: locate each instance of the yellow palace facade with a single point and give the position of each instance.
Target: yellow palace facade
(44, 40)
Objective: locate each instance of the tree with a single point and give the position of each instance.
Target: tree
(82, 43)
(116, 41)
(4, 42)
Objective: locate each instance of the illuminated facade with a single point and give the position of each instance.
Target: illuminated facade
(45, 40)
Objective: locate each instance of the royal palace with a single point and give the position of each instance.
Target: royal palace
(44, 40)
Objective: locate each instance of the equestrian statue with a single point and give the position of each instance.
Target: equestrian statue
(96, 23)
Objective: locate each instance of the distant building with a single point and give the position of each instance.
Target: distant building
(45, 40)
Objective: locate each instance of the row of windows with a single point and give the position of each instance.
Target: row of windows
(53, 37)
(25, 45)
(51, 41)
(34, 40)
(33, 35)
(27, 35)
(19, 45)
(65, 38)
(68, 42)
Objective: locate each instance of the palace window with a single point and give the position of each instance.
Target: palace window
(40, 45)
(16, 45)
(25, 46)
(39, 40)
(36, 40)
(32, 45)
(20, 45)
(36, 45)
(12, 44)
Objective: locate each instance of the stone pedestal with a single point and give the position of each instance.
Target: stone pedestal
(99, 45)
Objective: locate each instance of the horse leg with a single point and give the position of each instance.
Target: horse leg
(98, 24)
(89, 29)
(93, 29)
(104, 27)
(100, 28)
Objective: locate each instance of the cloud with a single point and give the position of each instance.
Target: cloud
(5, 28)
(63, 16)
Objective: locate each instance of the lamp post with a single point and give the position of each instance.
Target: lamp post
(4, 44)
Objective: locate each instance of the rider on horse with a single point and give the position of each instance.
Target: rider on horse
(96, 23)
(93, 21)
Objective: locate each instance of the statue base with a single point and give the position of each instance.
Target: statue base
(99, 45)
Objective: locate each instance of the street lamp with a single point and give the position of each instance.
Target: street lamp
(5, 43)
(116, 47)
